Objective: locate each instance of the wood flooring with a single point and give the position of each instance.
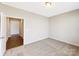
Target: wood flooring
(14, 41)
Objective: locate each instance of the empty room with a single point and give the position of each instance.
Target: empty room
(39, 29)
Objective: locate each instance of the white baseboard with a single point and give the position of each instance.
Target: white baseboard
(66, 41)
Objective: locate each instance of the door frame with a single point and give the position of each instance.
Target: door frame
(21, 25)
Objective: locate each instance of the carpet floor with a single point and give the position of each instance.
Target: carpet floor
(46, 47)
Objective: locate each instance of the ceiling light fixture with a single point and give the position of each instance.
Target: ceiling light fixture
(48, 4)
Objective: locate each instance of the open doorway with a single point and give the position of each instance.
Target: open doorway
(15, 27)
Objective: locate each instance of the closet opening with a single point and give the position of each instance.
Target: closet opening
(15, 27)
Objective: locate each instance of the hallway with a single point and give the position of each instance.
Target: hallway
(14, 41)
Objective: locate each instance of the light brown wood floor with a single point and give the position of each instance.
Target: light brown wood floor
(14, 41)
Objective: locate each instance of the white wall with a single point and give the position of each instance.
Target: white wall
(14, 27)
(3, 34)
(65, 27)
(35, 26)
(0, 24)
(37, 29)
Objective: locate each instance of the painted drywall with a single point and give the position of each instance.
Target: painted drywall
(65, 27)
(39, 7)
(3, 34)
(0, 24)
(14, 27)
(35, 26)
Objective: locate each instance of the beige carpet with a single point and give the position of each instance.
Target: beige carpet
(46, 47)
